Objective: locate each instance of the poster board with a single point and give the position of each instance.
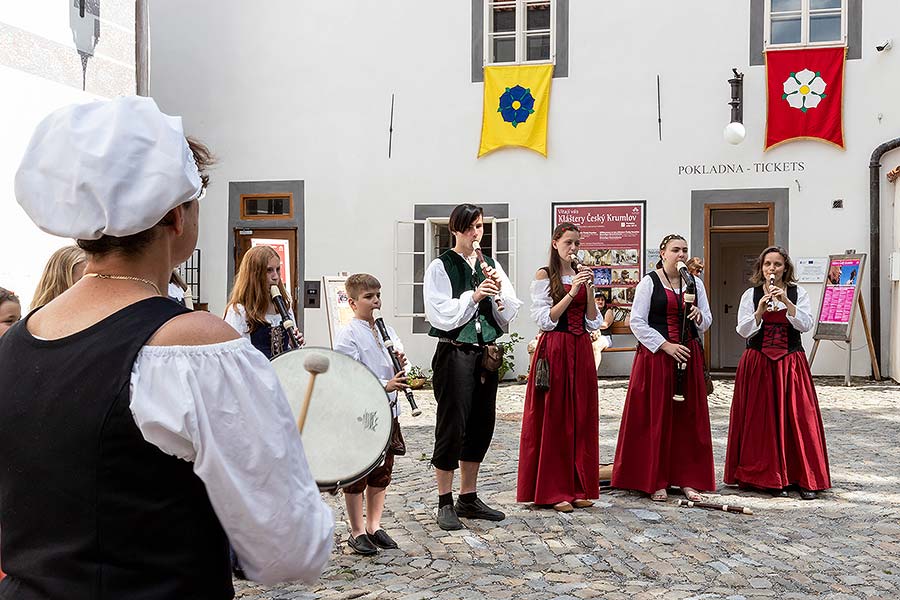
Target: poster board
(613, 234)
(337, 304)
(283, 248)
(840, 297)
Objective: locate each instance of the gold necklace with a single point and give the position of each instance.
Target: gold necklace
(125, 278)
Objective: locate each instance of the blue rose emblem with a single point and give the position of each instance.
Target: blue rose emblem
(516, 104)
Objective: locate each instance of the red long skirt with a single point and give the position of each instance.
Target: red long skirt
(664, 442)
(559, 451)
(776, 437)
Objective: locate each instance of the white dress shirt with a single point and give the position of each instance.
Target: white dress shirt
(221, 407)
(542, 302)
(640, 310)
(358, 341)
(746, 322)
(447, 313)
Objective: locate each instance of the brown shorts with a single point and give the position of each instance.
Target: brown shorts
(379, 478)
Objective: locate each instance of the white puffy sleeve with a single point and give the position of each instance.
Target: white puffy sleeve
(221, 407)
(511, 302)
(746, 318)
(345, 344)
(541, 303)
(640, 309)
(237, 318)
(441, 309)
(803, 320)
(703, 305)
(593, 325)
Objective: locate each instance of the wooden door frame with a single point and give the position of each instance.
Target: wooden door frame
(708, 230)
(295, 254)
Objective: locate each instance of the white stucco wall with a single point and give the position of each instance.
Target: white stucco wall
(40, 71)
(293, 89)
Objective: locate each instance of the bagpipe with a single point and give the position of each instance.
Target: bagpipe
(689, 299)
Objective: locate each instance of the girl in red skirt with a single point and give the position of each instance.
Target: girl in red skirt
(775, 437)
(559, 448)
(663, 440)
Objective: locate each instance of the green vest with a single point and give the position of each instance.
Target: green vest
(461, 280)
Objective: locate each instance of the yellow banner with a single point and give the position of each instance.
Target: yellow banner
(516, 103)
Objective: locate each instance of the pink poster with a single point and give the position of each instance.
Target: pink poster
(612, 236)
(840, 290)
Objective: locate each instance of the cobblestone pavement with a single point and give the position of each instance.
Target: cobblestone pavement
(844, 545)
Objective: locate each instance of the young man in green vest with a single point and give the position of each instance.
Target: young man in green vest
(461, 303)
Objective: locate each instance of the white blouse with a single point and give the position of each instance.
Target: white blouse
(746, 321)
(640, 310)
(221, 407)
(542, 302)
(357, 341)
(236, 316)
(446, 313)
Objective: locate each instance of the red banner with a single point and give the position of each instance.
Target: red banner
(805, 95)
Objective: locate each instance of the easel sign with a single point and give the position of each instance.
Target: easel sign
(837, 309)
(337, 304)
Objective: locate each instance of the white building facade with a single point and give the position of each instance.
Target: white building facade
(53, 54)
(354, 126)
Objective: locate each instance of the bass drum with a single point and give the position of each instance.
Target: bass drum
(348, 423)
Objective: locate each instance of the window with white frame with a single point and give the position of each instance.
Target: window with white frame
(792, 23)
(519, 31)
(417, 243)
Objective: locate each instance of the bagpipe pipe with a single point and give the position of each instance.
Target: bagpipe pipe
(395, 359)
(732, 508)
(295, 339)
(689, 299)
(488, 272)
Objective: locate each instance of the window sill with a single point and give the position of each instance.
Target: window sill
(521, 64)
(804, 46)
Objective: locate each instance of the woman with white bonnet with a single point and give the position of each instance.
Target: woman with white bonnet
(137, 437)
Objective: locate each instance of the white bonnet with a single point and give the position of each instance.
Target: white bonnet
(113, 167)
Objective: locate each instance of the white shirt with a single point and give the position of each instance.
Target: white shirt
(446, 313)
(236, 316)
(640, 310)
(746, 321)
(357, 341)
(542, 302)
(221, 407)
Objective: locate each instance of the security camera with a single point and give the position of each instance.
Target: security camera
(885, 45)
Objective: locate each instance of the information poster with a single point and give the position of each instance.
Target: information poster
(283, 248)
(612, 236)
(840, 291)
(839, 297)
(337, 304)
(811, 269)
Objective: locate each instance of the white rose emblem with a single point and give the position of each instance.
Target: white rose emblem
(804, 90)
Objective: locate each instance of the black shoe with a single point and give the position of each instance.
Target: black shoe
(808, 494)
(477, 509)
(779, 493)
(361, 544)
(381, 539)
(447, 519)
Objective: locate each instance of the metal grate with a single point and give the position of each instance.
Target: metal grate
(190, 272)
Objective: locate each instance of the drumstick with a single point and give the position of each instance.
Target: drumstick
(315, 364)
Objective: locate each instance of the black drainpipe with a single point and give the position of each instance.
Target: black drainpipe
(875, 240)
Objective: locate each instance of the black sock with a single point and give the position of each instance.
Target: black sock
(470, 497)
(445, 499)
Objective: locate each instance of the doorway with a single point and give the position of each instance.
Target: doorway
(283, 241)
(735, 234)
